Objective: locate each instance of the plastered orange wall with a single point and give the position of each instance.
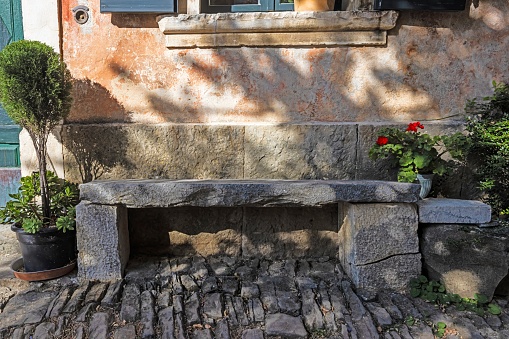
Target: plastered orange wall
(432, 64)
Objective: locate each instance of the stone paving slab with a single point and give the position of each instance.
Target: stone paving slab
(224, 297)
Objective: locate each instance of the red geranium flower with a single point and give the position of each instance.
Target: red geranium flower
(412, 127)
(382, 140)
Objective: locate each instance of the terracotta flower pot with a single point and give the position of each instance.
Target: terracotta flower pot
(313, 5)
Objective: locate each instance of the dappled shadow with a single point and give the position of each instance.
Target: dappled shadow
(89, 151)
(93, 103)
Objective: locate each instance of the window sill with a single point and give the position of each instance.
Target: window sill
(340, 28)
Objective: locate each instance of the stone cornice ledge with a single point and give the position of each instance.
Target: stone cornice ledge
(359, 28)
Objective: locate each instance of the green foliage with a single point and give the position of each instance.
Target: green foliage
(409, 320)
(35, 90)
(35, 85)
(25, 209)
(435, 292)
(488, 124)
(414, 152)
(439, 329)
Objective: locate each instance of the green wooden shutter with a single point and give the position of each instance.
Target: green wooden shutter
(9, 155)
(262, 6)
(11, 29)
(10, 15)
(283, 5)
(138, 6)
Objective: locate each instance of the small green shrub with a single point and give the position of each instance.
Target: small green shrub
(435, 292)
(35, 90)
(25, 208)
(488, 124)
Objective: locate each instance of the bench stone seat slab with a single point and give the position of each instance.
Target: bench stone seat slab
(239, 193)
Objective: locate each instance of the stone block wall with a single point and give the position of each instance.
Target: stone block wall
(201, 151)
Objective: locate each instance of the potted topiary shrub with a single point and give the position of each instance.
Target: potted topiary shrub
(35, 91)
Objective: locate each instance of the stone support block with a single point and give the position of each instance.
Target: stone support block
(374, 232)
(453, 211)
(103, 241)
(393, 273)
(466, 258)
(379, 246)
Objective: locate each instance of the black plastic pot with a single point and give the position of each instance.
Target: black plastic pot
(47, 249)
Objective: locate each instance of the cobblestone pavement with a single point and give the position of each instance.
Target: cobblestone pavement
(200, 298)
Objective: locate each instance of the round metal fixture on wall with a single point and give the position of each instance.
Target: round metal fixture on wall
(80, 14)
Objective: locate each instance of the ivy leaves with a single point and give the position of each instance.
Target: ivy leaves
(435, 292)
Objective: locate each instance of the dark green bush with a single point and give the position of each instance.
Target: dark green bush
(35, 85)
(488, 124)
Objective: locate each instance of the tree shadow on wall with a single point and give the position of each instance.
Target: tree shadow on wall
(85, 154)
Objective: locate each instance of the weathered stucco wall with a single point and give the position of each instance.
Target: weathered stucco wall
(432, 63)
(144, 110)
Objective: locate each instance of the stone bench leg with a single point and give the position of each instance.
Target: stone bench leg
(379, 245)
(103, 241)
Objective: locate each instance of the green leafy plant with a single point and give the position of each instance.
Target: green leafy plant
(35, 90)
(439, 329)
(435, 292)
(414, 152)
(488, 124)
(25, 209)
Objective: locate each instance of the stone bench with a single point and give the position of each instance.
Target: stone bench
(375, 237)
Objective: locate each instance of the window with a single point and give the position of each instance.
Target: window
(264, 23)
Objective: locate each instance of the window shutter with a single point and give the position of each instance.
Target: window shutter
(284, 5)
(421, 5)
(262, 6)
(9, 155)
(138, 6)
